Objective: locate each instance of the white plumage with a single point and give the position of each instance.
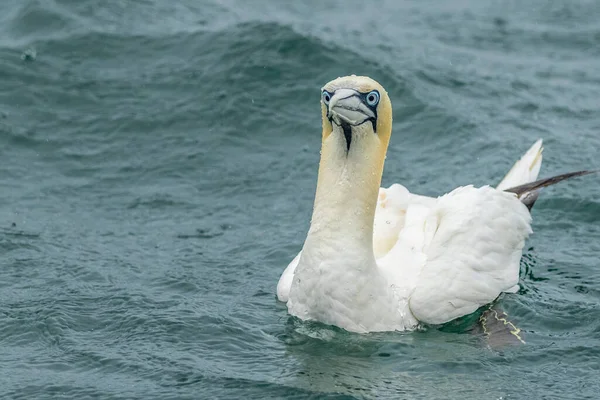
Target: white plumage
(443, 258)
(429, 260)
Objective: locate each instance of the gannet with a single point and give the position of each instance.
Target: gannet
(384, 259)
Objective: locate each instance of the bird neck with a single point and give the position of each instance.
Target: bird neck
(347, 190)
(337, 280)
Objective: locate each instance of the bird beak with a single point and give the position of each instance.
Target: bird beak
(347, 106)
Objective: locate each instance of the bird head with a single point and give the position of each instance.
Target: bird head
(356, 107)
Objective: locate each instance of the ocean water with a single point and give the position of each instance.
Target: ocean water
(158, 163)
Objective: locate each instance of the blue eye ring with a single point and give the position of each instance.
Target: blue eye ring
(372, 98)
(326, 96)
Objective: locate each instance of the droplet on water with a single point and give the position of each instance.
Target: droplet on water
(29, 55)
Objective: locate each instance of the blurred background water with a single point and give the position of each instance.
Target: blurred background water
(157, 170)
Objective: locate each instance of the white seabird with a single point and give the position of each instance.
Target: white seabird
(378, 259)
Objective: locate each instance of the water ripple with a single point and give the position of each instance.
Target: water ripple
(158, 171)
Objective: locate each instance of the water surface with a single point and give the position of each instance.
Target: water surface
(158, 166)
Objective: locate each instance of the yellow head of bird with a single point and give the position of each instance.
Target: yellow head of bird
(356, 103)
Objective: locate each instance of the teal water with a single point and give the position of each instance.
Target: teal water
(157, 169)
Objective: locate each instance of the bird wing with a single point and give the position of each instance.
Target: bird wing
(470, 242)
(285, 281)
(526, 169)
(452, 254)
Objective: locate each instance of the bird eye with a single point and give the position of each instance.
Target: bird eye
(373, 98)
(326, 97)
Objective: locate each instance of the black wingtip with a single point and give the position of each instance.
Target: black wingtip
(529, 192)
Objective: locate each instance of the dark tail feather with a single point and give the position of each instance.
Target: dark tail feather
(529, 192)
